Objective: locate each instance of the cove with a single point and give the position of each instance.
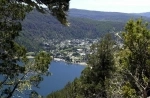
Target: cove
(62, 73)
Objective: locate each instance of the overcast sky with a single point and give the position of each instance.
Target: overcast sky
(127, 6)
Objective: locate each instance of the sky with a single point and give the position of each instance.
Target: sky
(126, 6)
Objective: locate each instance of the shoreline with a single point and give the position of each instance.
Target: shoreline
(59, 60)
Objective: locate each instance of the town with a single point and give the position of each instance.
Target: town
(71, 51)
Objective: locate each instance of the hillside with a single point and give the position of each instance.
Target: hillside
(146, 14)
(106, 16)
(39, 27)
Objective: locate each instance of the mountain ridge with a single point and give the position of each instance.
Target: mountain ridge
(38, 27)
(105, 16)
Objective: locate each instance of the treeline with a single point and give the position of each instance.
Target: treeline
(38, 27)
(115, 71)
(107, 16)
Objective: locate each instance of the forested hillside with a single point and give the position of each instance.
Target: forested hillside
(43, 26)
(114, 72)
(38, 27)
(146, 14)
(106, 16)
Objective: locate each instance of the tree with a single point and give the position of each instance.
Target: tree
(101, 65)
(135, 56)
(71, 90)
(57, 8)
(94, 79)
(19, 73)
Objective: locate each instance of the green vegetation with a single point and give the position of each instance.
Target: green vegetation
(34, 34)
(55, 7)
(106, 16)
(115, 72)
(82, 25)
(136, 58)
(18, 74)
(118, 73)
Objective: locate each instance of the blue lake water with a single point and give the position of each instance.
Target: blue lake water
(62, 73)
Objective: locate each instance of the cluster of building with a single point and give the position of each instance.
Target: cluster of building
(73, 51)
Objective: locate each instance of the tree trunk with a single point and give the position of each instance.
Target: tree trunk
(144, 93)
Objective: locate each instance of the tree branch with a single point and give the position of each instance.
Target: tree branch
(16, 85)
(4, 81)
(137, 82)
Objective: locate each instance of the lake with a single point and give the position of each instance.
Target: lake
(62, 73)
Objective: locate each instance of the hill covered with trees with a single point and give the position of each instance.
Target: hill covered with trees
(114, 72)
(38, 27)
(107, 16)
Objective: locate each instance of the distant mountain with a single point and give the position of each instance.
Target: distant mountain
(106, 16)
(39, 27)
(147, 14)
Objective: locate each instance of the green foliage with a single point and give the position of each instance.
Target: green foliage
(128, 92)
(34, 33)
(107, 16)
(101, 62)
(57, 8)
(42, 62)
(136, 46)
(76, 54)
(34, 94)
(93, 81)
(10, 26)
(71, 90)
(123, 73)
(18, 73)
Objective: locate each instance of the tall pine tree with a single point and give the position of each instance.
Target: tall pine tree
(101, 65)
(136, 58)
